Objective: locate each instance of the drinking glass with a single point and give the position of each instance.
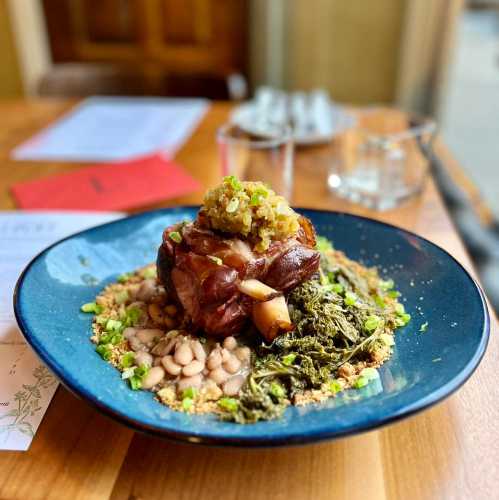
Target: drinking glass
(267, 157)
(386, 161)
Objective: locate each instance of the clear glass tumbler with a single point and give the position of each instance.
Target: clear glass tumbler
(384, 161)
(267, 157)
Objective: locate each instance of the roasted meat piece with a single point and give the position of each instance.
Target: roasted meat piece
(220, 281)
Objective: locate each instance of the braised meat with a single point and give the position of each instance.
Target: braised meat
(220, 281)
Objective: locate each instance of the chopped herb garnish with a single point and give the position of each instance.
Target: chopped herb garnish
(350, 299)
(399, 309)
(386, 285)
(337, 288)
(372, 322)
(128, 373)
(360, 382)
(228, 404)
(436, 360)
(424, 327)
(113, 325)
(135, 383)
(187, 403)
(393, 294)
(387, 339)
(190, 392)
(92, 307)
(335, 386)
(132, 316)
(403, 319)
(127, 359)
(289, 359)
(277, 390)
(323, 244)
(104, 351)
(233, 182)
(175, 236)
(151, 272)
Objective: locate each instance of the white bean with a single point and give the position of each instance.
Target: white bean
(198, 350)
(232, 365)
(143, 358)
(225, 355)
(243, 354)
(193, 368)
(154, 376)
(219, 375)
(170, 366)
(233, 385)
(214, 359)
(149, 335)
(183, 354)
(187, 382)
(230, 343)
(129, 332)
(136, 344)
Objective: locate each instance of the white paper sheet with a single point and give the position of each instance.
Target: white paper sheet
(115, 128)
(26, 385)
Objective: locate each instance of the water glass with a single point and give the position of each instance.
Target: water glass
(267, 157)
(384, 161)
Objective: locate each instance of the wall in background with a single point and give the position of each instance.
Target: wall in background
(10, 76)
(351, 48)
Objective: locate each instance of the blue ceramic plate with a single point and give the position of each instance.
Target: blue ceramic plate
(425, 367)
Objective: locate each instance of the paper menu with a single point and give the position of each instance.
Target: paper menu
(26, 386)
(115, 128)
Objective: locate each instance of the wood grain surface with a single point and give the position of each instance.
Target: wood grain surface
(448, 452)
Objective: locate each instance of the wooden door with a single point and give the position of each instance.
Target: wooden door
(185, 38)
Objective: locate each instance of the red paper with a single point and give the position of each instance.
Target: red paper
(110, 186)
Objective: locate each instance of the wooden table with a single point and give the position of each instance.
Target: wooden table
(450, 451)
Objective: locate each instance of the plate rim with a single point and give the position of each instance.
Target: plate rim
(310, 437)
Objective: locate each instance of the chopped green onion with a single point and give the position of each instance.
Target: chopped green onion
(92, 307)
(403, 319)
(372, 322)
(175, 236)
(393, 294)
(135, 383)
(379, 301)
(216, 260)
(399, 309)
(277, 390)
(104, 351)
(234, 182)
(387, 339)
(337, 287)
(121, 297)
(187, 403)
(122, 278)
(323, 244)
(350, 298)
(424, 327)
(370, 373)
(289, 359)
(142, 370)
(228, 404)
(128, 373)
(190, 392)
(360, 382)
(113, 325)
(127, 359)
(151, 272)
(232, 206)
(132, 316)
(335, 386)
(386, 285)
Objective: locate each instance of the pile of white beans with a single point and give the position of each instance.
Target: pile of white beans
(181, 360)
